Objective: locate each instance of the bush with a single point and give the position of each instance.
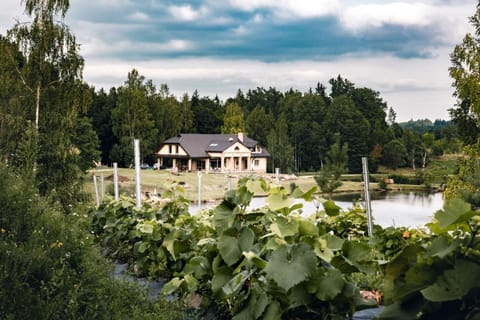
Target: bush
(49, 268)
(401, 179)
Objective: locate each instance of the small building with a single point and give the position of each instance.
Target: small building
(213, 153)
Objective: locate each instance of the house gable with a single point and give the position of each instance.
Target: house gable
(172, 149)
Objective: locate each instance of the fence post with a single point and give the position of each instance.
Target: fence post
(96, 190)
(115, 180)
(366, 185)
(138, 190)
(199, 173)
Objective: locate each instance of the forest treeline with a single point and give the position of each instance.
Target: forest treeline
(298, 128)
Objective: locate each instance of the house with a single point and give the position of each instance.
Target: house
(213, 153)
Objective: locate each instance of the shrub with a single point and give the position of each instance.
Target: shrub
(49, 268)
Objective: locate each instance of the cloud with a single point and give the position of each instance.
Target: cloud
(138, 16)
(377, 15)
(184, 13)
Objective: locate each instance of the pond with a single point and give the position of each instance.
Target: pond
(400, 209)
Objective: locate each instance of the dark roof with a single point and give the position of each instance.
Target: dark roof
(197, 145)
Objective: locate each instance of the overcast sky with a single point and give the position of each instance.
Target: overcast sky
(400, 48)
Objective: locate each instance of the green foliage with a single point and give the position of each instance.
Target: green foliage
(464, 71)
(280, 148)
(50, 268)
(266, 263)
(466, 184)
(233, 121)
(335, 165)
(437, 278)
(132, 119)
(404, 179)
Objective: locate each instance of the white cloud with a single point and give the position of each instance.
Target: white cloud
(138, 16)
(185, 12)
(376, 15)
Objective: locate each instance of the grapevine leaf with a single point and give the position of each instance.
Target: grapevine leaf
(277, 201)
(246, 239)
(307, 228)
(228, 246)
(198, 265)
(172, 285)
(284, 227)
(441, 247)
(322, 251)
(331, 209)
(145, 227)
(334, 243)
(169, 243)
(221, 276)
(454, 283)
(453, 212)
(329, 285)
(289, 266)
(223, 215)
(273, 312)
(255, 307)
(141, 246)
(256, 186)
(192, 282)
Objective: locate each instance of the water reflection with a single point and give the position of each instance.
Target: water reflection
(408, 209)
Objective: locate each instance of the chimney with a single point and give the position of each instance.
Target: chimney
(240, 136)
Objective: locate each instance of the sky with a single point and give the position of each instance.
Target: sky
(399, 48)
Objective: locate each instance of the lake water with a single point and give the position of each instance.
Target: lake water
(401, 209)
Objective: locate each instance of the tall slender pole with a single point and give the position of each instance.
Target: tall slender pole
(102, 186)
(366, 183)
(138, 190)
(96, 190)
(115, 180)
(199, 189)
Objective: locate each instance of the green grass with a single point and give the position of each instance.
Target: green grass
(214, 185)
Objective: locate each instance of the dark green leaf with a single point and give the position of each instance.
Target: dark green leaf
(453, 211)
(331, 209)
(290, 266)
(454, 283)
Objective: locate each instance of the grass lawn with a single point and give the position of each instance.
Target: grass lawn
(214, 185)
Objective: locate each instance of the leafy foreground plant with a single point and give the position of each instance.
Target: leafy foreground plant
(271, 263)
(438, 279)
(50, 269)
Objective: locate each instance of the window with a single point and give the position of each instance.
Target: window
(256, 163)
(237, 148)
(176, 148)
(169, 148)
